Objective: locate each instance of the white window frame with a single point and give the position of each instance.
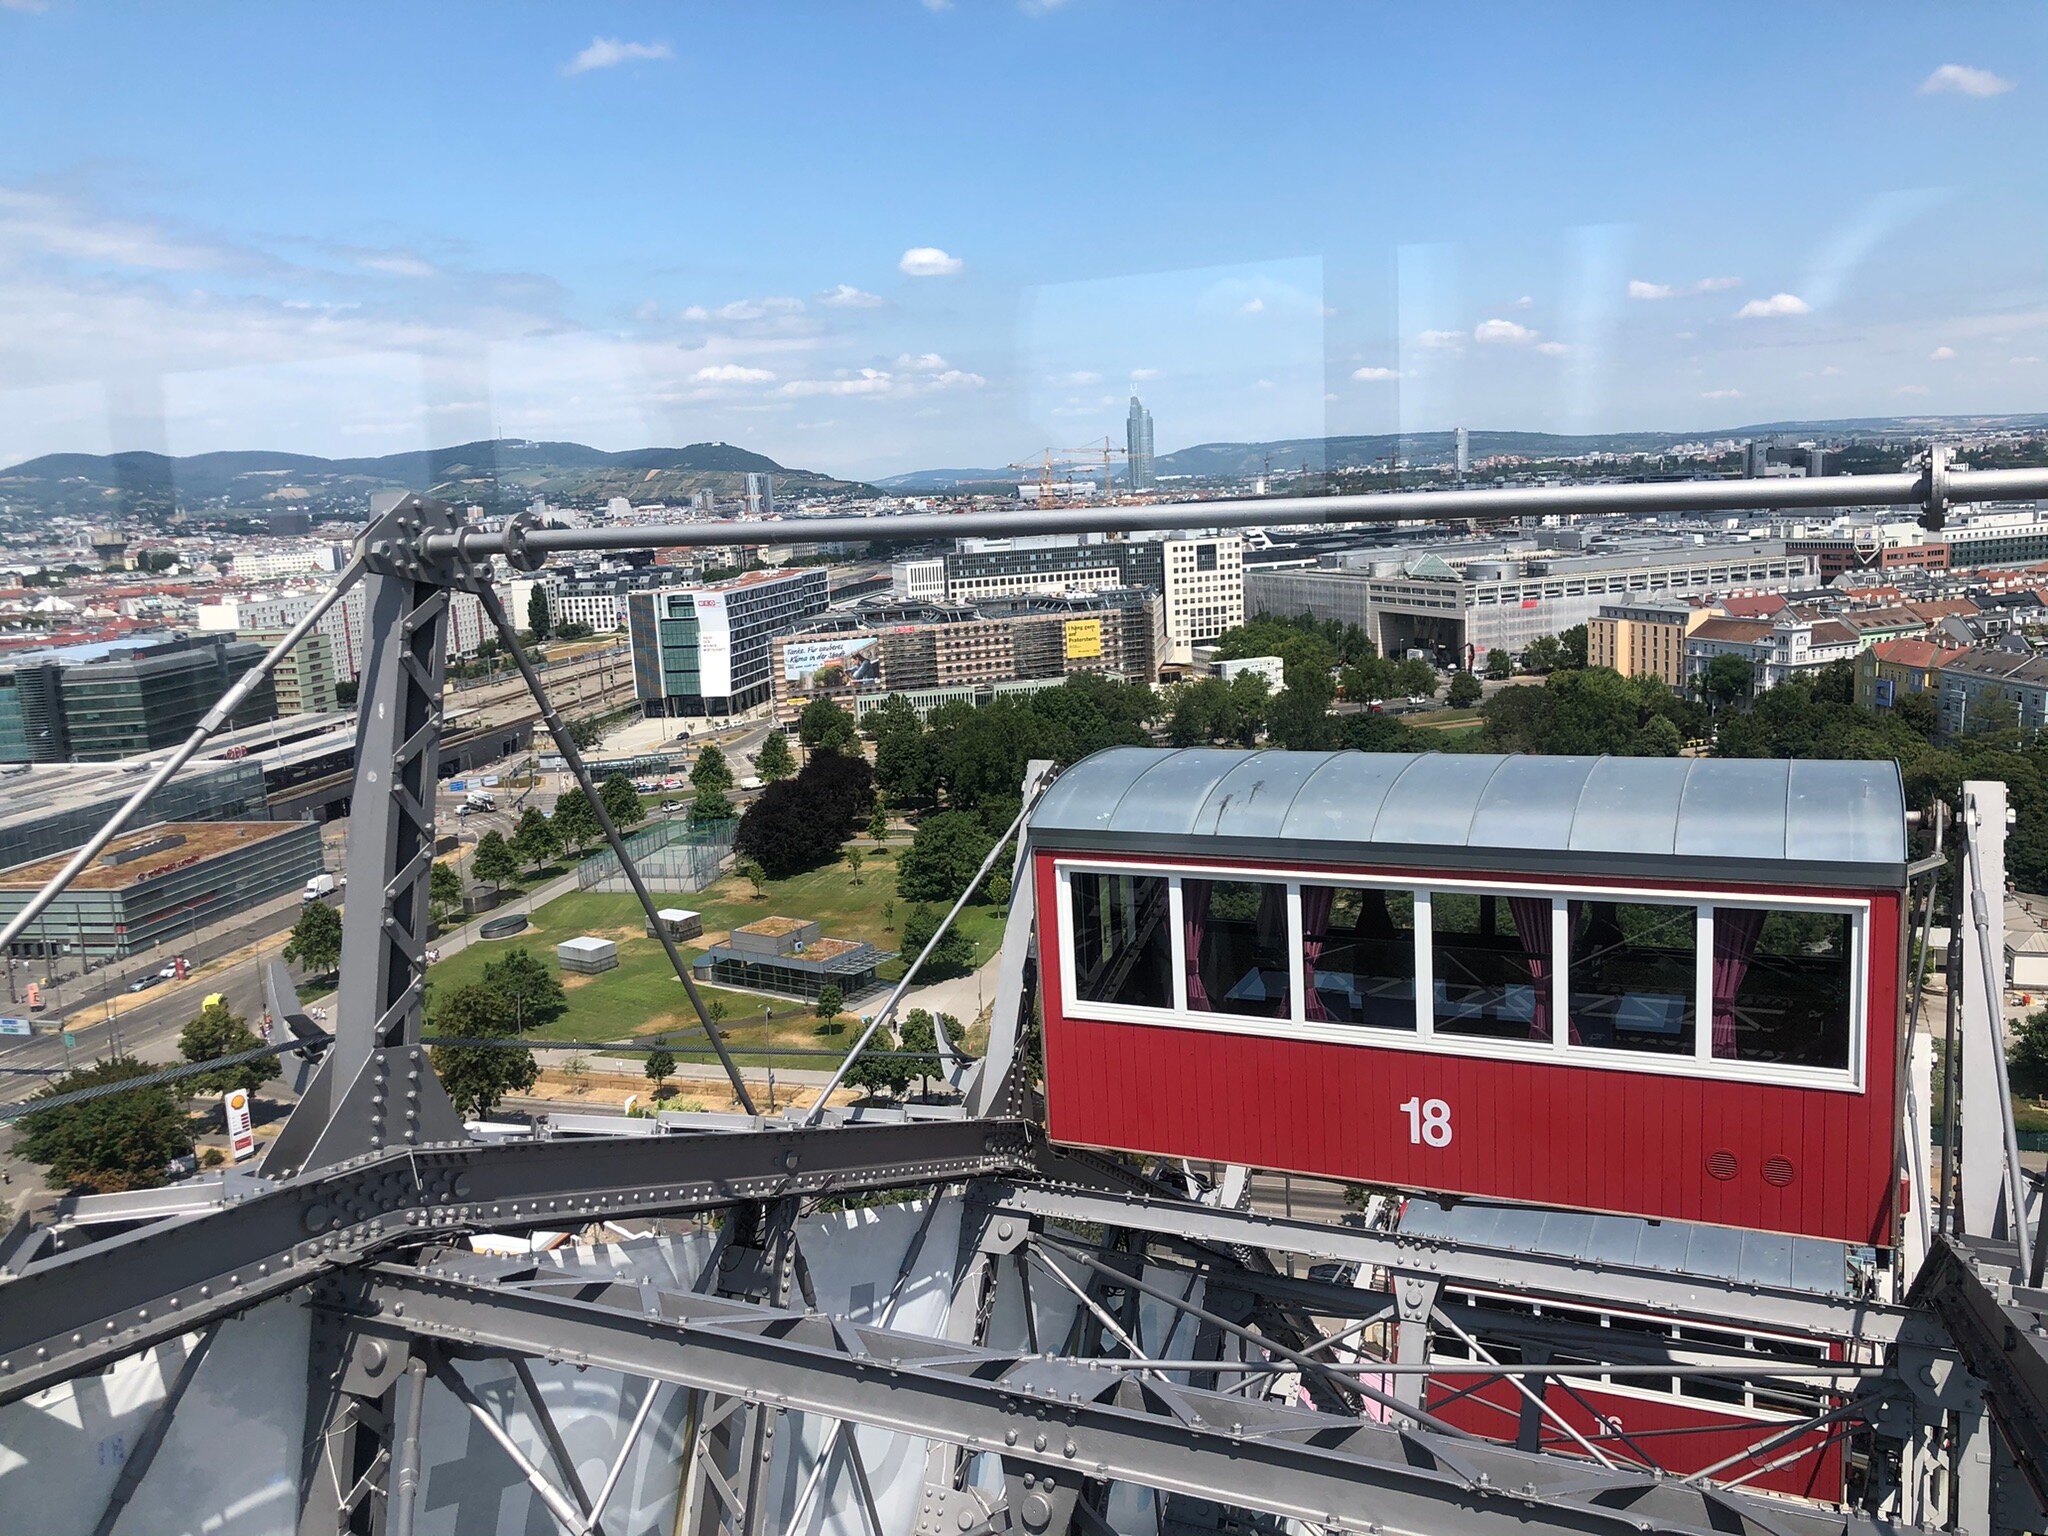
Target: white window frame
(1557, 1051)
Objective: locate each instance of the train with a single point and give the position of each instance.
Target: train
(1658, 987)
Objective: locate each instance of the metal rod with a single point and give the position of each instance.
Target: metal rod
(405, 1472)
(1392, 1404)
(509, 638)
(151, 1440)
(888, 1008)
(1744, 1372)
(1789, 1457)
(166, 770)
(1994, 994)
(1855, 1408)
(1100, 1312)
(552, 1436)
(618, 1466)
(816, 1476)
(1522, 1387)
(1906, 488)
(566, 1514)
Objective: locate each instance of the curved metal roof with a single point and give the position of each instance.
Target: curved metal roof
(1772, 820)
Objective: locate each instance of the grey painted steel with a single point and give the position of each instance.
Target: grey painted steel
(166, 770)
(508, 635)
(76, 1309)
(151, 1440)
(1894, 490)
(1062, 1414)
(1786, 822)
(1993, 1199)
(888, 1009)
(1589, 1282)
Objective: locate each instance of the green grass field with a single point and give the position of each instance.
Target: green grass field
(642, 997)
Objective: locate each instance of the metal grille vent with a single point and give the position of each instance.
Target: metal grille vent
(1722, 1165)
(1778, 1171)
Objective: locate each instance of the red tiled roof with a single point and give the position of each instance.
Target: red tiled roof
(1914, 653)
(1760, 606)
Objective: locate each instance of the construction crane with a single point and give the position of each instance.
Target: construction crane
(1108, 452)
(1052, 460)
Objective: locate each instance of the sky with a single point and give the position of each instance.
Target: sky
(873, 236)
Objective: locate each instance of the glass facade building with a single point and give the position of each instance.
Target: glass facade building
(121, 698)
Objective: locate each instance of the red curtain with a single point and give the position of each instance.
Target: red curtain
(1736, 931)
(1532, 928)
(1316, 901)
(1194, 922)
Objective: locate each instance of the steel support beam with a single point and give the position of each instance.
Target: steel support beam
(83, 1307)
(1060, 1414)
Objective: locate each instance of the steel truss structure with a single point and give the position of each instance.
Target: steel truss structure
(932, 1319)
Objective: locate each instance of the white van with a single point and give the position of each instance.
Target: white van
(318, 888)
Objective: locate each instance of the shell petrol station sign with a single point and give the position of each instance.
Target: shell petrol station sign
(241, 1126)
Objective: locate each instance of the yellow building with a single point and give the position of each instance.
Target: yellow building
(1646, 638)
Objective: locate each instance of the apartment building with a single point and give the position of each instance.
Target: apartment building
(1645, 639)
(1979, 680)
(1776, 649)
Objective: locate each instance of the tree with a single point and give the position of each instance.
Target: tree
(830, 1001)
(585, 734)
(953, 955)
(115, 1142)
(217, 1033)
(920, 1044)
(533, 992)
(1465, 691)
(1300, 721)
(1571, 648)
(1542, 655)
(1728, 677)
(1415, 677)
(444, 888)
(825, 727)
(799, 824)
(315, 944)
(750, 870)
(711, 771)
(1499, 664)
(494, 862)
(535, 839)
(774, 762)
(943, 857)
(661, 1066)
(538, 619)
(878, 822)
(711, 805)
(478, 1076)
(854, 859)
(621, 801)
(877, 1069)
(574, 821)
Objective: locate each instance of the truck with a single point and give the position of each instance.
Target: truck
(318, 888)
(478, 800)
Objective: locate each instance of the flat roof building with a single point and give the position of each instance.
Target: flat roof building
(704, 650)
(51, 808)
(117, 698)
(791, 956)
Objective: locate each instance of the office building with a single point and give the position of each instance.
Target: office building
(596, 600)
(1461, 610)
(1776, 649)
(1138, 447)
(935, 652)
(918, 581)
(120, 698)
(705, 650)
(51, 808)
(1645, 639)
(292, 560)
(760, 494)
(305, 678)
(1464, 453)
(155, 887)
(793, 957)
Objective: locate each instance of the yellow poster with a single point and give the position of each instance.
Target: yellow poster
(1084, 639)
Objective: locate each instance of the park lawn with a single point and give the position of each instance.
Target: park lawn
(641, 996)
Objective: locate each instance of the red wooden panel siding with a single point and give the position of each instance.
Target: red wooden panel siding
(1549, 1133)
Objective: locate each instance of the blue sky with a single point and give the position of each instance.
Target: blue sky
(872, 237)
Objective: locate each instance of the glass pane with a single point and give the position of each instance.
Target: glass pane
(1491, 955)
(1358, 948)
(1781, 987)
(1237, 947)
(1123, 944)
(1634, 976)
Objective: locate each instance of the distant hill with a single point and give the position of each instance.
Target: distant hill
(947, 479)
(496, 472)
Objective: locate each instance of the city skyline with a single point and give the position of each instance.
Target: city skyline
(215, 259)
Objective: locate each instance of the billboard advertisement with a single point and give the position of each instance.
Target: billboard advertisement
(1084, 639)
(824, 666)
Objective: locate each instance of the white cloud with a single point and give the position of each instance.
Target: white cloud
(1076, 380)
(759, 309)
(1964, 80)
(647, 310)
(731, 373)
(1265, 384)
(1502, 333)
(31, 7)
(1638, 289)
(1140, 375)
(1254, 306)
(1525, 301)
(1375, 375)
(1717, 284)
(1552, 348)
(1441, 341)
(1910, 389)
(610, 52)
(2022, 362)
(696, 312)
(869, 381)
(1720, 394)
(923, 362)
(954, 378)
(928, 261)
(38, 223)
(1831, 372)
(397, 264)
(1777, 305)
(938, 5)
(1941, 354)
(846, 296)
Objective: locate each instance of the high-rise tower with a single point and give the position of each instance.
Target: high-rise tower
(1138, 446)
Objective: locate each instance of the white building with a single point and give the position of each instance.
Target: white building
(273, 613)
(1776, 649)
(1204, 590)
(292, 560)
(919, 581)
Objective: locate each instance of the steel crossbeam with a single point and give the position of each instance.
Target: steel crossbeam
(1063, 1415)
(77, 1309)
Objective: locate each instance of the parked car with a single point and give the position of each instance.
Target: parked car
(144, 983)
(1418, 698)
(672, 806)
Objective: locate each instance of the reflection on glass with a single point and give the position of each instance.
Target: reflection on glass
(1358, 948)
(1491, 958)
(1236, 932)
(1634, 976)
(1781, 987)
(1123, 942)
